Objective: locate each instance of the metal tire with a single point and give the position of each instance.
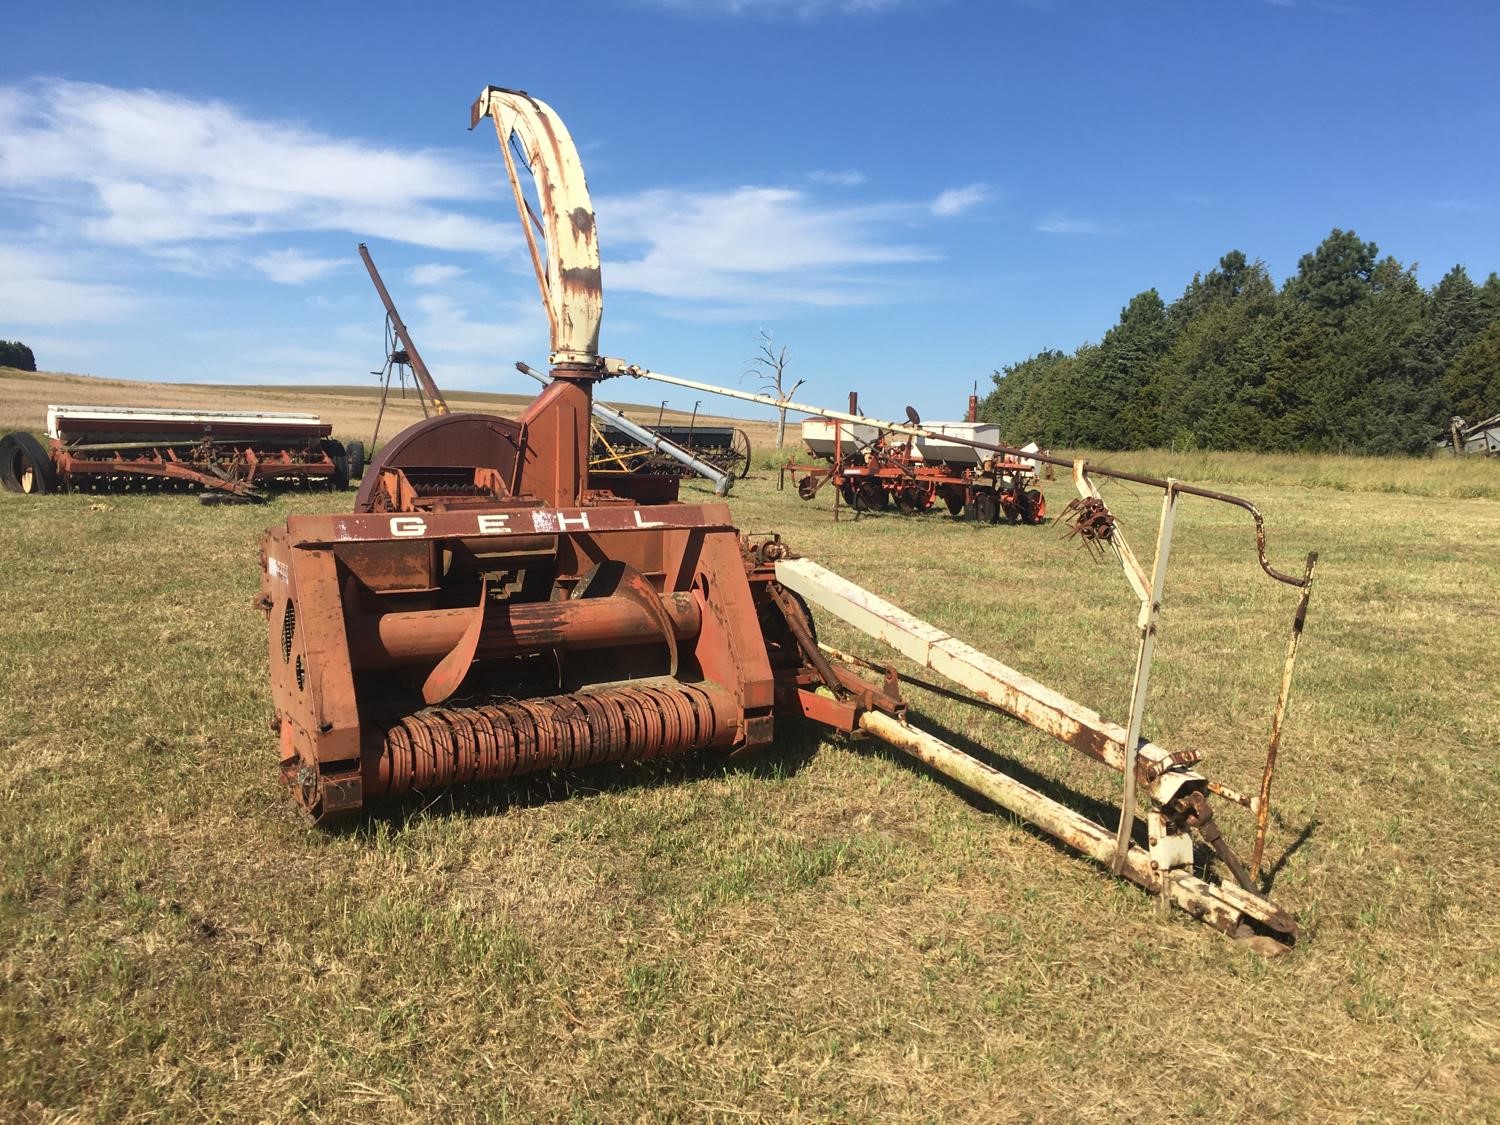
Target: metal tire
(869, 496)
(742, 450)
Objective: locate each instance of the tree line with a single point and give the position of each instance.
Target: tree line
(1350, 355)
(13, 353)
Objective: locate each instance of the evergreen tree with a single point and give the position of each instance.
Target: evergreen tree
(1387, 346)
(1108, 379)
(1350, 355)
(1457, 314)
(1489, 299)
(1471, 383)
(1024, 401)
(15, 354)
(1302, 398)
(1335, 276)
(1209, 389)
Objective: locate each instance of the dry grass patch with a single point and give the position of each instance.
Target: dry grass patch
(823, 931)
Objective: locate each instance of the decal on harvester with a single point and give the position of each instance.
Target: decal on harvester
(535, 521)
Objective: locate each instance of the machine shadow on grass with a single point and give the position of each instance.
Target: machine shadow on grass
(1105, 813)
(790, 754)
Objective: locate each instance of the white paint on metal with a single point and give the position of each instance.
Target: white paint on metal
(1223, 907)
(567, 266)
(988, 678)
(81, 417)
(818, 436)
(1134, 573)
(934, 448)
(1149, 619)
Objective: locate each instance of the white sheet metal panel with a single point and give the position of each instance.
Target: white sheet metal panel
(817, 435)
(84, 416)
(986, 677)
(936, 449)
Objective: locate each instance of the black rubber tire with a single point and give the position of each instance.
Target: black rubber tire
(335, 450)
(870, 496)
(1036, 506)
(355, 452)
(986, 506)
(954, 499)
(25, 465)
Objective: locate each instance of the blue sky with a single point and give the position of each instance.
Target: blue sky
(908, 193)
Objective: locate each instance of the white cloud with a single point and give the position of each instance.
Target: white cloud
(142, 178)
(143, 168)
(847, 177)
(45, 289)
(749, 247)
(1062, 224)
(434, 273)
(446, 322)
(292, 267)
(955, 201)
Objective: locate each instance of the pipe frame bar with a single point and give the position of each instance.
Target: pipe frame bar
(1225, 907)
(1278, 717)
(1150, 617)
(613, 366)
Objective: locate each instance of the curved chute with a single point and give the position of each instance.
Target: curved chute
(560, 230)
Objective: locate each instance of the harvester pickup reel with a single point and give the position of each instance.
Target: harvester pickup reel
(484, 612)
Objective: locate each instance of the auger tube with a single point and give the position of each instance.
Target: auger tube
(649, 438)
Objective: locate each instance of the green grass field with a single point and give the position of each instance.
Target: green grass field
(821, 932)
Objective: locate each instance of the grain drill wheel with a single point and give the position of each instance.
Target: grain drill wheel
(807, 487)
(739, 460)
(340, 458)
(908, 502)
(355, 452)
(25, 466)
(954, 498)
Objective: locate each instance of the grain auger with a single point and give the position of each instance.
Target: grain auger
(484, 612)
